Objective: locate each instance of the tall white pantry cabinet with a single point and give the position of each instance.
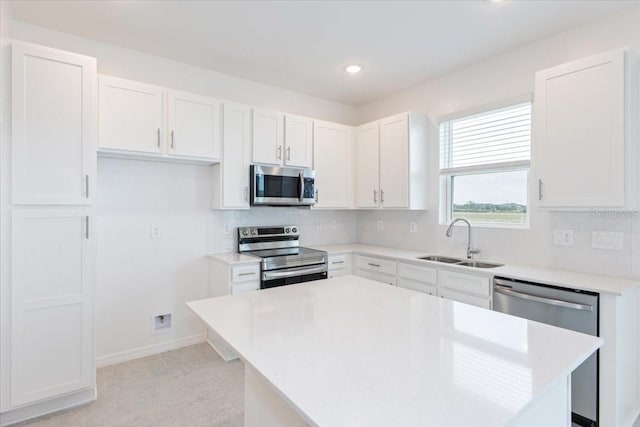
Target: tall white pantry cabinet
(48, 239)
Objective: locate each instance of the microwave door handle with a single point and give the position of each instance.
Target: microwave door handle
(301, 187)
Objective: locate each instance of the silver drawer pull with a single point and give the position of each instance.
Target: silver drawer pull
(337, 262)
(373, 265)
(247, 274)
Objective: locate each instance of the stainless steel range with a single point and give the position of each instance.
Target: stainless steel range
(284, 262)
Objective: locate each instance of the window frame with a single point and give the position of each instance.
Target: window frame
(447, 177)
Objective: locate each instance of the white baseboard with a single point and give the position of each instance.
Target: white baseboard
(47, 407)
(137, 353)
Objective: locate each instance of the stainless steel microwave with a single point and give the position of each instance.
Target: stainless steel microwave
(282, 186)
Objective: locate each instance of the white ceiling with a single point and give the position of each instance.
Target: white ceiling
(304, 45)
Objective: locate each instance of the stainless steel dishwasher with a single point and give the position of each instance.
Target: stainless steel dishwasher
(566, 308)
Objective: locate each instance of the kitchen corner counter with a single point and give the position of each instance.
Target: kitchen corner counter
(234, 258)
(568, 279)
(351, 351)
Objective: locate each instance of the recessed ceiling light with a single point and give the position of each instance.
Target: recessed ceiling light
(353, 68)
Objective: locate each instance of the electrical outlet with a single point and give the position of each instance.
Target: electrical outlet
(318, 225)
(413, 227)
(155, 231)
(380, 225)
(334, 224)
(160, 323)
(226, 229)
(611, 240)
(563, 237)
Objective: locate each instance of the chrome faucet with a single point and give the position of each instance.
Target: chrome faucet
(470, 251)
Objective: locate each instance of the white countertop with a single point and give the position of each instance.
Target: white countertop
(353, 352)
(569, 279)
(233, 258)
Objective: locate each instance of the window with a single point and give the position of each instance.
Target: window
(484, 166)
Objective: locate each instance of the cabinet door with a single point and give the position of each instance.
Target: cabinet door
(333, 166)
(298, 141)
(51, 317)
(367, 166)
(235, 162)
(268, 137)
(580, 133)
(194, 125)
(53, 148)
(131, 116)
(394, 162)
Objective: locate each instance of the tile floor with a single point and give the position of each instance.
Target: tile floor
(191, 386)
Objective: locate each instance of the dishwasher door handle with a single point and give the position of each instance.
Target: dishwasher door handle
(505, 290)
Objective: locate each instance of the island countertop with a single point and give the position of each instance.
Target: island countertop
(350, 351)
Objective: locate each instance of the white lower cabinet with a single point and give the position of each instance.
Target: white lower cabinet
(52, 349)
(378, 269)
(339, 265)
(463, 287)
(418, 278)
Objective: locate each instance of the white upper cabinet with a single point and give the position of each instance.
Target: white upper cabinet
(282, 139)
(586, 133)
(298, 140)
(231, 175)
(391, 163)
(141, 120)
(131, 116)
(333, 164)
(368, 165)
(53, 142)
(194, 125)
(268, 137)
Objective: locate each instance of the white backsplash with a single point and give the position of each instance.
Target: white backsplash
(531, 246)
(316, 226)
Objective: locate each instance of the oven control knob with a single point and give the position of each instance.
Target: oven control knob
(294, 230)
(254, 232)
(245, 232)
(287, 230)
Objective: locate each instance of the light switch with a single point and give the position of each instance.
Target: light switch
(563, 237)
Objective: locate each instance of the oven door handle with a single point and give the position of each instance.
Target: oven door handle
(268, 275)
(300, 187)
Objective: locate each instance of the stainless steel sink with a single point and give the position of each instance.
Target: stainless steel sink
(458, 261)
(438, 258)
(479, 264)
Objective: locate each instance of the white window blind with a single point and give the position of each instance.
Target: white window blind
(495, 139)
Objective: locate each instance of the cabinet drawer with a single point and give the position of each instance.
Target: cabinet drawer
(378, 277)
(377, 265)
(415, 285)
(418, 273)
(467, 283)
(245, 273)
(467, 299)
(238, 288)
(338, 262)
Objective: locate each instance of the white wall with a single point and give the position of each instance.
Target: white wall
(138, 276)
(502, 78)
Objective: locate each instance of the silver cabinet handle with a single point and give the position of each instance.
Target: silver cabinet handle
(86, 185)
(505, 290)
(246, 194)
(86, 227)
(375, 196)
(288, 153)
(539, 189)
(279, 152)
(247, 274)
(337, 262)
(172, 145)
(317, 192)
(158, 137)
(381, 196)
(373, 265)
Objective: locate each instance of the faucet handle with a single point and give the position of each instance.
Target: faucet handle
(471, 252)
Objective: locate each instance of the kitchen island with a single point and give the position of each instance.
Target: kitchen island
(350, 351)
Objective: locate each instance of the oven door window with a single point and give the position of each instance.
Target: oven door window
(272, 283)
